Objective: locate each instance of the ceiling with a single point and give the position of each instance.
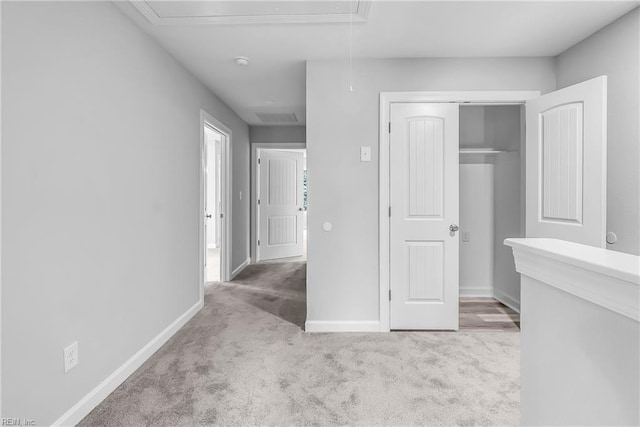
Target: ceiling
(207, 36)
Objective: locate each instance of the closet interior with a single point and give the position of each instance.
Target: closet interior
(491, 199)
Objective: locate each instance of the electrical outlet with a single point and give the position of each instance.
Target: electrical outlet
(70, 356)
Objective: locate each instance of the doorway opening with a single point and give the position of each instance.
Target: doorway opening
(215, 207)
(426, 129)
(491, 198)
(563, 159)
(279, 226)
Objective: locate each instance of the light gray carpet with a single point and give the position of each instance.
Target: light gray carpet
(244, 360)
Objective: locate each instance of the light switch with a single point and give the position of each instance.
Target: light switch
(365, 154)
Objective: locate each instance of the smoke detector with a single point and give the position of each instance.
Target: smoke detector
(242, 61)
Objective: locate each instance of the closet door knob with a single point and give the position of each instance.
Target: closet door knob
(453, 228)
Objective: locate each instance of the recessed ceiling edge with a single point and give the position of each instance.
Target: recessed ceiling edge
(360, 16)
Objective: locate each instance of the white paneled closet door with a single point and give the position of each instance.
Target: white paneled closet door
(280, 204)
(424, 216)
(566, 163)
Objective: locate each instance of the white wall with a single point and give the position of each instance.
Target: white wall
(476, 218)
(615, 52)
(505, 134)
(100, 197)
(277, 134)
(509, 222)
(472, 132)
(579, 360)
(1, 275)
(342, 275)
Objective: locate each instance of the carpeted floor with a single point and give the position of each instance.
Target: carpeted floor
(244, 360)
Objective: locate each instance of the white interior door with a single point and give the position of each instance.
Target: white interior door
(280, 204)
(566, 166)
(424, 216)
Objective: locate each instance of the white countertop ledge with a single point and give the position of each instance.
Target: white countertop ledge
(604, 261)
(608, 278)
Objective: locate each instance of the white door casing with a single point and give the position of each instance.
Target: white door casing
(225, 211)
(566, 158)
(424, 252)
(280, 204)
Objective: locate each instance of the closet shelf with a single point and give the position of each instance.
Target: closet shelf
(480, 151)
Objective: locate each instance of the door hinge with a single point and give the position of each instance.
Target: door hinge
(258, 242)
(389, 211)
(389, 294)
(258, 160)
(389, 127)
(258, 201)
(221, 215)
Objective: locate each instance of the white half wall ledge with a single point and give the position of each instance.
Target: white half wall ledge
(341, 326)
(603, 277)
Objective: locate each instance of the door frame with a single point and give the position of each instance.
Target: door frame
(255, 148)
(386, 99)
(207, 119)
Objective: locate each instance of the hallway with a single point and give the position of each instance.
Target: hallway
(244, 359)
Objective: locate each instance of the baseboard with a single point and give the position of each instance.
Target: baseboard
(81, 409)
(341, 326)
(510, 302)
(241, 267)
(476, 292)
